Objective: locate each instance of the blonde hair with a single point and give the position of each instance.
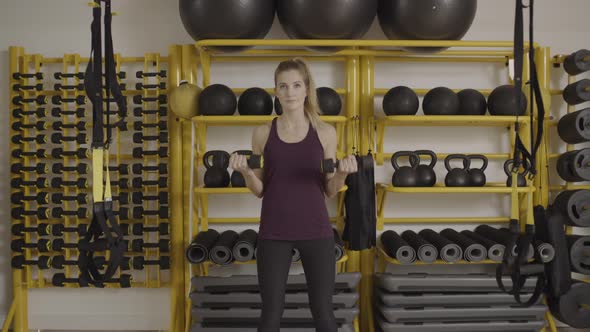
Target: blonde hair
(310, 106)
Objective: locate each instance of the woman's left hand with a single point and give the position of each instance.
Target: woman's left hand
(347, 165)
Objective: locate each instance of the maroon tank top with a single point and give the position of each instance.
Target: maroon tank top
(293, 205)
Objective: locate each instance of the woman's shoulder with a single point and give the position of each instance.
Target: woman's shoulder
(326, 133)
(260, 134)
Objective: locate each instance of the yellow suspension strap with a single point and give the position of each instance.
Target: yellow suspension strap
(104, 232)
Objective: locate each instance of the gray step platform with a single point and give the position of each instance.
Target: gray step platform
(249, 283)
(445, 300)
(421, 283)
(241, 328)
(248, 315)
(435, 314)
(531, 326)
(252, 300)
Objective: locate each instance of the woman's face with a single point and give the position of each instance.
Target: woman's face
(291, 90)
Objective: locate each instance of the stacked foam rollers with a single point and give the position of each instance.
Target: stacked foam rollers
(51, 204)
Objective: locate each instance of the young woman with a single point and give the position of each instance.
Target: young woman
(293, 189)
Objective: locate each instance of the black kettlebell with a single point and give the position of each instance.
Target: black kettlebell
(237, 179)
(520, 177)
(216, 162)
(405, 176)
(457, 177)
(477, 177)
(425, 175)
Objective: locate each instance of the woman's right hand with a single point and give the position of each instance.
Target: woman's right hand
(239, 162)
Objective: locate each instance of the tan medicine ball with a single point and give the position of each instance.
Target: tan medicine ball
(184, 100)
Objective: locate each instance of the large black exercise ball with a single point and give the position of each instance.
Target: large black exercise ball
(255, 101)
(426, 20)
(400, 100)
(326, 19)
(217, 99)
(471, 102)
(329, 101)
(440, 101)
(504, 101)
(227, 19)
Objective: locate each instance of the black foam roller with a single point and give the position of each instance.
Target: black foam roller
(398, 248)
(448, 251)
(243, 250)
(426, 252)
(495, 249)
(198, 249)
(472, 251)
(221, 253)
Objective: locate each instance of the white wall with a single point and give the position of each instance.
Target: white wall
(55, 27)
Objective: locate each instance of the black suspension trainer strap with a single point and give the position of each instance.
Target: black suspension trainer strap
(104, 232)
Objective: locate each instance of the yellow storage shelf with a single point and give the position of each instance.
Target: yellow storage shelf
(451, 120)
(249, 120)
(490, 188)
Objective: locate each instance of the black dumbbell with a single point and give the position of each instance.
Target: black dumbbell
(19, 168)
(19, 245)
(20, 212)
(21, 87)
(139, 262)
(39, 125)
(80, 183)
(123, 198)
(80, 153)
(139, 152)
(137, 245)
(40, 99)
(19, 139)
(162, 228)
(59, 198)
(141, 86)
(59, 168)
(142, 74)
(20, 113)
(58, 138)
(40, 183)
(577, 92)
(78, 112)
(140, 182)
(19, 153)
(124, 280)
(60, 229)
(140, 212)
(59, 87)
(138, 168)
(122, 213)
(121, 125)
(138, 99)
(139, 137)
(59, 280)
(80, 213)
(80, 125)
(59, 261)
(18, 197)
(20, 229)
(60, 75)
(58, 100)
(162, 111)
(123, 169)
(60, 245)
(139, 125)
(19, 261)
(18, 76)
(122, 183)
(139, 197)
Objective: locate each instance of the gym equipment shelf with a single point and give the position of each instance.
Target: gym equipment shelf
(490, 187)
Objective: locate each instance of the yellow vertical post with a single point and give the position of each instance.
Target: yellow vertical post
(367, 259)
(543, 61)
(176, 194)
(19, 288)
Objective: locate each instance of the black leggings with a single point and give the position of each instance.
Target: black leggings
(273, 259)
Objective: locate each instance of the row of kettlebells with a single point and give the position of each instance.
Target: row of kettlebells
(423, 175)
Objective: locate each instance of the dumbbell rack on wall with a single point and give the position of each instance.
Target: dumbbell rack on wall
(189, 61)
(521, 198)
(51, 200)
